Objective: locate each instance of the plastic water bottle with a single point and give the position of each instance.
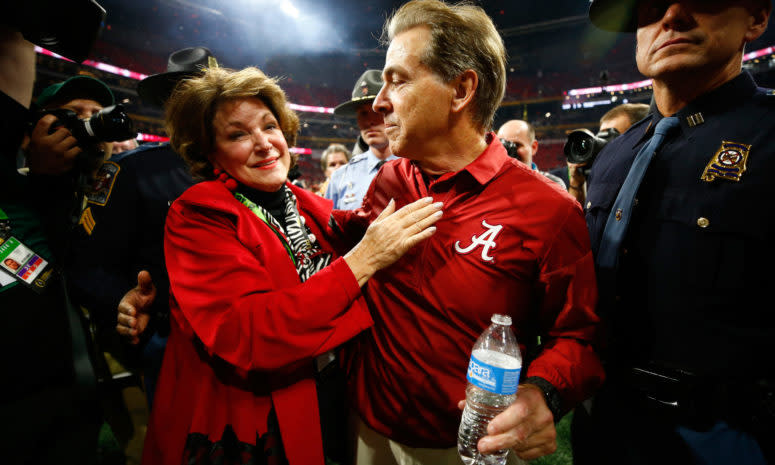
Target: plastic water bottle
(493, 375)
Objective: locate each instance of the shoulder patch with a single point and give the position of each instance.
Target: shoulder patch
(99, 191)
(729, 162)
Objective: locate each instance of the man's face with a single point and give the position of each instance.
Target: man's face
(683, 36)
(83, 107)
(124, 146)
(413, 100)
(335, 161)
(621, 123)
(517, 132)
(372, 126)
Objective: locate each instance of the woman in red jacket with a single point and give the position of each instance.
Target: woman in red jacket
(258, 298)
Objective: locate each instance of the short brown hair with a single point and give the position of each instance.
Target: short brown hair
(192, 106)
(462, 37)
(333, 148)
(634, 111)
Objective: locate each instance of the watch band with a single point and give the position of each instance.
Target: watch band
(551, 396)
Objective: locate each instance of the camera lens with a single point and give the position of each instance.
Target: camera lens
(583, 146)
(111, 124)
(580, 146)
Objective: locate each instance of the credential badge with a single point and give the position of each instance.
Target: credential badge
(486, 240)
(728, 163)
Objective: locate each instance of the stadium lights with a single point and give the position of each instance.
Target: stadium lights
(289, 9)
(588, 92)
(591, 97)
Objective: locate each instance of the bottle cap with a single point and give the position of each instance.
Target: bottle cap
(503, 320)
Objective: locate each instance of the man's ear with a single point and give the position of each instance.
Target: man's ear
(760, 17)
(535, 147)
(465, 87)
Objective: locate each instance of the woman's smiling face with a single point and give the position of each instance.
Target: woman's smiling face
(249, 144)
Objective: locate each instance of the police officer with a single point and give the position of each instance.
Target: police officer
(349, 184)
(121, 239)
(683, 249)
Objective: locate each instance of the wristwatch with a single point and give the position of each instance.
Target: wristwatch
(551, 396)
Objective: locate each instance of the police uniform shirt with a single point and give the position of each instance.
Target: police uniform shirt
(122, 229)
(349, 183)
(696, 266)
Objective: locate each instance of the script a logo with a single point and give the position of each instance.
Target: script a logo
(486, 240)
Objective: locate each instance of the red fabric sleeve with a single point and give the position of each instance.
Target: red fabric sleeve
(238, 291)
(568, 320)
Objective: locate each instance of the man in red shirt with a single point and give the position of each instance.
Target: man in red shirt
(510, 242)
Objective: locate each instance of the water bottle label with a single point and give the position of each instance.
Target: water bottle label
(491, 378)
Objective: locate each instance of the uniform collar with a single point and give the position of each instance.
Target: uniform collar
(372, 159)
(718, 100)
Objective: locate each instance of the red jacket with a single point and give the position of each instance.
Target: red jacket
(510, 242)
(244, 329)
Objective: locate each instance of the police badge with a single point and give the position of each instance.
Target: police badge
(728, 163)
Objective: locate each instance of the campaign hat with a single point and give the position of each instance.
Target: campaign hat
(181, 64)
(365, 91)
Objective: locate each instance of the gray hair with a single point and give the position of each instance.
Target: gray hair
(333, 148)
(462, 37)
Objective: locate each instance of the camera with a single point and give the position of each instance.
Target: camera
(68, 28)
(110, 124)
(512, 149)
(583, 146)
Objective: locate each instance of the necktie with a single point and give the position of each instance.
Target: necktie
(621, 213)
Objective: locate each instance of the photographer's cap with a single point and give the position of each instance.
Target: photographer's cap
(181, 64)
(365, 91)
(614, 15)
(84, 87)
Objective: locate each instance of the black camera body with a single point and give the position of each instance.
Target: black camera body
(68, 28)
(583, 146)
(111, 124)
(512, 149)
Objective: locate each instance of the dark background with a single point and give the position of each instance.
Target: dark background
(552, 47)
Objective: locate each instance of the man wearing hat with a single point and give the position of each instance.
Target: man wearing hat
(55, 153)
(120, 242)
(683, 250)
(348, 184)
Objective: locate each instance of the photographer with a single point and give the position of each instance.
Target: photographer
(48, 400)
(519, 139)
(615, 122)
(52, 147)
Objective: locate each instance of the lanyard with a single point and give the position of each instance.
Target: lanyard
(5, 225)
(260, 214)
